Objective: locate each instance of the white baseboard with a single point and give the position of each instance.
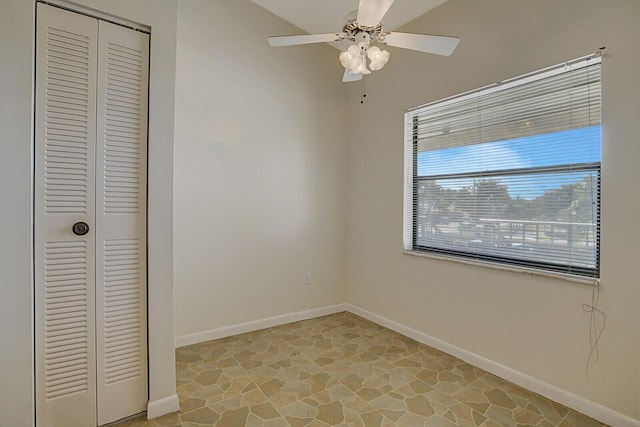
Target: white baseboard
(164, 406)
(256, 325)
(580, 404)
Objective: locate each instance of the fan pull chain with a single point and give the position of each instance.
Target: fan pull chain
(364, 90)
(364, 68)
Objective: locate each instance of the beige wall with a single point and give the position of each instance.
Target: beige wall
(534, 325)
(16, 147)
(16, 289)
(260, 169)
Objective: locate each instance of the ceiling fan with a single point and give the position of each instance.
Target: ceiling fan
(363, 30)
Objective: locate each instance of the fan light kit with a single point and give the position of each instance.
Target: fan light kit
(354, 59)
(364, 30)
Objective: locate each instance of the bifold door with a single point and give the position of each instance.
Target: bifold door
(90, 219)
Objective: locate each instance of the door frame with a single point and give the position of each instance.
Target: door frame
(162, 18)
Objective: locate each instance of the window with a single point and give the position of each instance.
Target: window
(510, 174)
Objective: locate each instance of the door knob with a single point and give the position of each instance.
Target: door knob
(80, 228)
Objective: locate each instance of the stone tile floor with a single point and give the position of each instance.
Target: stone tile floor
(344, 370)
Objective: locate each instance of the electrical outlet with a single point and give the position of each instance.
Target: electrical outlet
(307, 278)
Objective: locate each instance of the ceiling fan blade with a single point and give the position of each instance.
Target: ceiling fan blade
(278, 41)
(370, 12)
(440, 45)
(349, 77)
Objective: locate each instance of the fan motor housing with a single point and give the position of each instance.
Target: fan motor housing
(352, 30)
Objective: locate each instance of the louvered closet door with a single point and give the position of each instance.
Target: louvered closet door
(66, 61)
(91, 150)
(121, 172)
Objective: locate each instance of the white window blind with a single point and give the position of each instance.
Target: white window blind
(510, 173)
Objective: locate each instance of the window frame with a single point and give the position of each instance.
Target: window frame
(413, 180)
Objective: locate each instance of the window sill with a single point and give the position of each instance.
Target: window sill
(514, 269)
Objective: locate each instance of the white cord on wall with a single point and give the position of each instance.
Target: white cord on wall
(595, 332)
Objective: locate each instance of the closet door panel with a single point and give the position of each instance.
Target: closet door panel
(121, 190)
(65, 370)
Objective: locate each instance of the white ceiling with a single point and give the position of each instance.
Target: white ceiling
(328, 16)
